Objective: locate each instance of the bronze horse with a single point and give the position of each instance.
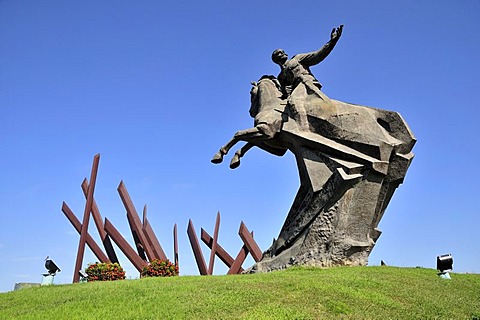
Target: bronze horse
(268, 110)
(382, 133)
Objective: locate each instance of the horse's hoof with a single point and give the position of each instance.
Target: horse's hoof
(234, 163)
(217, 158)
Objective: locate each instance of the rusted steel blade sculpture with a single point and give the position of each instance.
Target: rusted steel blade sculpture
(78, 226)
(143, 235)
(252, 246)
(175, 245)
(214, 245)
(146, 242)
(86, 217)
(97, 218)
(129, 252)
(197, 251)
(151, 238)
(220, 251)
(234, 265)
(136, 239)
(135, 224)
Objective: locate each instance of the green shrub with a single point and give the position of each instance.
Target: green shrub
(104, 272)
(160, 268)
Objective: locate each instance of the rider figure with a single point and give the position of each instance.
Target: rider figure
(296, 79)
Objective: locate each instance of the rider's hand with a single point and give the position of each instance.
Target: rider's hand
(336, 33)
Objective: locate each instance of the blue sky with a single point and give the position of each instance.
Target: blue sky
(156, 88)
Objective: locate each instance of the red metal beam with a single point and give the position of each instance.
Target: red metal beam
(247, 239)
(197, 252)
(175, 245)
(134, 258)
(220, 252)
(86, 217)
(136, 239)
(134, 220)
(236, 266)
(151, 238)
(78, 226)
(97, 217)
(214, 245)
(95, 212)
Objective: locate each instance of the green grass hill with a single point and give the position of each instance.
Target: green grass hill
(297, 293)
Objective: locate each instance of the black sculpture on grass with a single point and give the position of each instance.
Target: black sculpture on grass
(51, 266)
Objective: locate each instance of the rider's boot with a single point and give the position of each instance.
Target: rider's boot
(299, 114)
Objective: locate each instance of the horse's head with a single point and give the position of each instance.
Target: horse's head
(253, 100)
(264, 94)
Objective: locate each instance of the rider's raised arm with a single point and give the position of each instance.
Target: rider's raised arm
(313, 58)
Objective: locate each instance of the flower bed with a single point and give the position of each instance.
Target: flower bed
(104, 272)
(160, 268)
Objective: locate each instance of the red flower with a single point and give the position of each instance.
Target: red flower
(159, 268)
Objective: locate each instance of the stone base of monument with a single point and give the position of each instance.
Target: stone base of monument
(328, 227)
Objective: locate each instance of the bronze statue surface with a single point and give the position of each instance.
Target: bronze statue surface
(350, 158)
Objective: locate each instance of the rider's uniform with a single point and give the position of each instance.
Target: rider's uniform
(297, 80)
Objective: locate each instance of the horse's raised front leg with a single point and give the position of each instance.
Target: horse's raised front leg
(256, 133)
(218, 157)
(240, 153)
(252, 134)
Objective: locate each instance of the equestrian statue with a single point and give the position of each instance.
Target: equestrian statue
(350, 159)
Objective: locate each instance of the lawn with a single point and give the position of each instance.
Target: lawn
(297, 293)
